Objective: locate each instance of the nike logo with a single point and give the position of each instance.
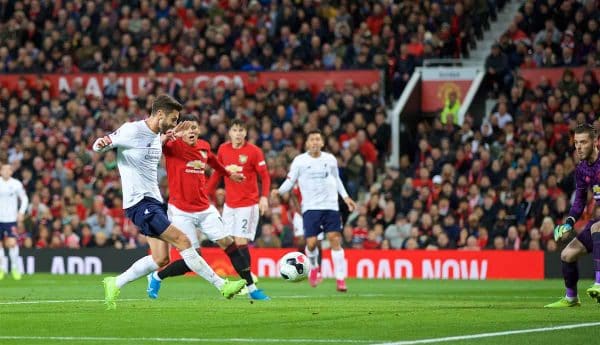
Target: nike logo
(146, 211)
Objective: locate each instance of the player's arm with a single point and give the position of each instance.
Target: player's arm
(581, 187)
(341, 189)
(215, 178)
(122, 137)
(214, 163)
(291, 179)
(24, 202)
(265, 181)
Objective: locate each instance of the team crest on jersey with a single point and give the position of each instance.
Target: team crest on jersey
(203, 153)
(243, 159)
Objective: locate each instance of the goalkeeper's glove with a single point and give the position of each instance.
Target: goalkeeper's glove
(562, 229)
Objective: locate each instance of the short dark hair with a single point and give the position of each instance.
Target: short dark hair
(586, 128)
(239, 122)
(314, 131)
(165, 103)
(189, 117)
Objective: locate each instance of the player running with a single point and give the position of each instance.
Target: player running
(319, 182)
(243, 207)
(11, 192)
(189, 208)
(587, 175)
(139, 150)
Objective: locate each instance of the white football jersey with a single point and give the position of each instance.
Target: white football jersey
(138, 155)
(318, 180)
(11, 193)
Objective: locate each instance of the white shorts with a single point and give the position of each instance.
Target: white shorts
(208, 221)
(241, 221)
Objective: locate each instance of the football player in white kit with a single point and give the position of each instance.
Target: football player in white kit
(11, 212)
(139, 149)
(318, 179)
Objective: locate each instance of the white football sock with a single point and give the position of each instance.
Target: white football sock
(339, 263)
(155, 276)
(313, 256)
(139, 269)
(2, 259)
(196, 263)
(13, 254)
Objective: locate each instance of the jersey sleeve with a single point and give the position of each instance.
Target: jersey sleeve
(172, 147)
(214, 163)
(215, 178)
(292, 177)
(336, 172)
(581, 187)
(23, 198)
(262, 170)
(123, 137)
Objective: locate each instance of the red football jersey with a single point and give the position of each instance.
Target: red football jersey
(186, 167)
(249, 161)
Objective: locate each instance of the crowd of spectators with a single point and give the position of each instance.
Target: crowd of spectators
(501, 185)
(199, 35)
(546, 33)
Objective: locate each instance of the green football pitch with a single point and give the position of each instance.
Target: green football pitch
(46, 309)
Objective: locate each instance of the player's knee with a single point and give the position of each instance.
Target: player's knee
(240, 241)
(568, 255)
(225, 242)
(162, 261)
(595, 227)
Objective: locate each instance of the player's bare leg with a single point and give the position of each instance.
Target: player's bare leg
(569, 257)
(594, 290)
(196, 263)
(312, 253)
(339, 259)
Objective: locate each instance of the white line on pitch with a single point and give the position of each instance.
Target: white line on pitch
(489, 335)
(64, 301)
(186, 340)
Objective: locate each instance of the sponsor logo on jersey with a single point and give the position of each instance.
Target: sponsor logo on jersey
(233, 168)
(243, 159)
(195, 167)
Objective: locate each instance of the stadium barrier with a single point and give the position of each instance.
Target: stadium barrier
(365, 264)
(94, 83)
(553, 266)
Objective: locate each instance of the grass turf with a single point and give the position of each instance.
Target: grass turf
(70, 308)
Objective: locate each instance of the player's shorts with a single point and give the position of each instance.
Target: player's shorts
(150, 216)
(318, 221)
(241, 221)
(8, 230)
(208, 221)
(585, 236)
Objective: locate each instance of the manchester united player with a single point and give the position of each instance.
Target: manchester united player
(242, 203)
(189, 208)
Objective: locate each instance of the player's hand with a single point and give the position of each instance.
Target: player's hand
(274, 194)
(103, 142)
(237, 177)
(263, 205)
(350, 203)
(167, 136)
(561, 230)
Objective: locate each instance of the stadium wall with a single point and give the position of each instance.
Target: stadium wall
(94, 83)
(364, 264)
